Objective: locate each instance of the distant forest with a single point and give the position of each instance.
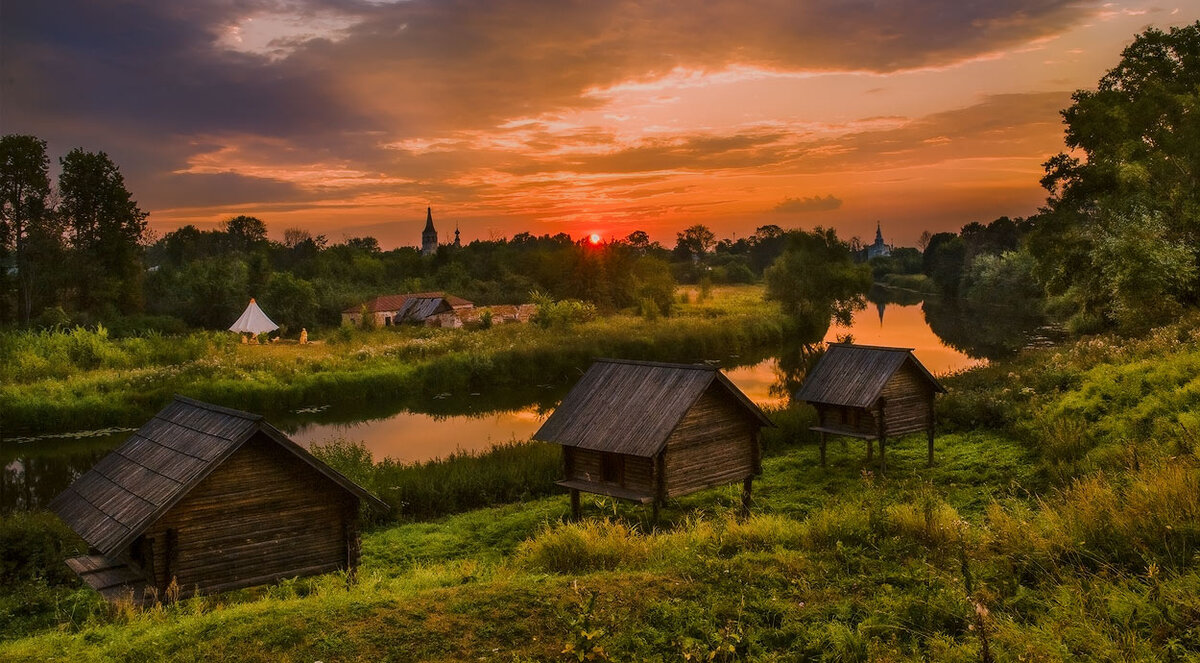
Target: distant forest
(1115, 246)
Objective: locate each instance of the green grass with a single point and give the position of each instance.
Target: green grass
(82, 379)
(1054, 544)
(461, 481)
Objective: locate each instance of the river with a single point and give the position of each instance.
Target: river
(33, 471)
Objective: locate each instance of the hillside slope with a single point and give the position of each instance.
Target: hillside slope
(1061, 522)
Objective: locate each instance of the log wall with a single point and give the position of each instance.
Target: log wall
(908, 405)
(636, 473)
(260, 516)
(716, 443)
(851, 420)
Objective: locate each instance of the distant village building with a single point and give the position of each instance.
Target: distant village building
(457, 241)
(206, 499)
(429, 235)
(500, 314)
(648, 431)
(415, 308)
(879, 248)
(871, 393)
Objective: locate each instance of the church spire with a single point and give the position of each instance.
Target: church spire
(429, 235)
(457, 243)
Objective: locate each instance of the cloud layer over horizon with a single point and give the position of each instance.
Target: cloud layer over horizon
(610, 117)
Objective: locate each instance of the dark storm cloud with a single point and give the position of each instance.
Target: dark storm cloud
(148, 82)
(808, 204)
(193, 190)
(473, 63)
(153, 67)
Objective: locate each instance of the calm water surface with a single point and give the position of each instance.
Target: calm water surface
(32, 472)
(409, 436)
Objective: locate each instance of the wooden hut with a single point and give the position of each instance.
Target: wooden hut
(417, 308)
(871, 393)
(647, 431)
(210, 499)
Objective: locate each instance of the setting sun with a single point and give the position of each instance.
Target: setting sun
(594, 238)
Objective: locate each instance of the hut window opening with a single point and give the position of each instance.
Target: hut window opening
(612, 468)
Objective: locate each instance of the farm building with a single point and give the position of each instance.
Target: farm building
(648, 431)
(415, 307)
(500, 314)
(871, 393)
(210, 499)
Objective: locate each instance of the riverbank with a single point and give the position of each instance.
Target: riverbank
(1059, 523)
(80, 379)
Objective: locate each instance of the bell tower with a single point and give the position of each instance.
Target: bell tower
(429, 235)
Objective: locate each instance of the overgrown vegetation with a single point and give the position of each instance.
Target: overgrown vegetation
(78, 378)
(1053, 541)
(1061, 521)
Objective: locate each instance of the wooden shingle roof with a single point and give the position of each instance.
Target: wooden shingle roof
(130, 488)
(854, 375)
(398, 302)
(632, 407)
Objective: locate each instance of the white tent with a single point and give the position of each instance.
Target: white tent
(253, 321)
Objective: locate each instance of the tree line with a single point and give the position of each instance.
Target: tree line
(79, 252)
(1115, 245)
(77, 244)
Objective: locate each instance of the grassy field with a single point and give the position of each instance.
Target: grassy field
(1061, 522)
(80, 379)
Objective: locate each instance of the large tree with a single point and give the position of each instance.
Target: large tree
(816, 280)
(1135, 193)
(695, 242)
(105, 227)
(24, 218)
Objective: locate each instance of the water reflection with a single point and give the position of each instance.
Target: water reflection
(412, 437)
(945, 336)
(32, 473)
(905, 326)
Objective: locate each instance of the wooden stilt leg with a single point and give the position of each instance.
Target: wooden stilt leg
(882, 456)
(747, 485)
(931, 447)
(870, 450)
(575, 504)
(822, 449)
(654, 512)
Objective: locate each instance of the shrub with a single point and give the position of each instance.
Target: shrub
(561, 313)
(583, 547)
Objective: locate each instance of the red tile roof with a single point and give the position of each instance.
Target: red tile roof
(396, 302)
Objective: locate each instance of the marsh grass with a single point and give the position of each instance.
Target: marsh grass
(80, 379)
(508, 472)
(1067, 486)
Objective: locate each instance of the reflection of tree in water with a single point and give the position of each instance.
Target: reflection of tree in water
(978, 329)
(798, 355)
(34, 473)
(881, 295)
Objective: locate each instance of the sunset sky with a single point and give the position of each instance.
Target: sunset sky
(349, 118)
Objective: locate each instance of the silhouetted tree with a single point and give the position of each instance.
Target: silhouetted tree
(24, 219)
(695, 242)
(105, 229)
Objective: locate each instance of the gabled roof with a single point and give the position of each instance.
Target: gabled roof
(417, 309)
(632, 407)
(398, 302)
(131, 487)
(854, 375)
